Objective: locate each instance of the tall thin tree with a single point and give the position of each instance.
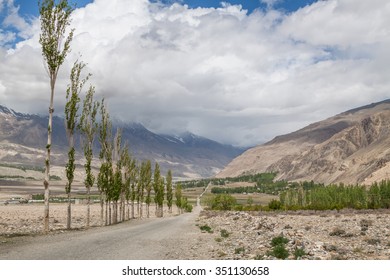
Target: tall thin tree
(156, 185)
(147, 174)
(105, 156)
(169, 191)
(117, 186)
(71, 114)
(179, 197)
(88, 127)
(54, 18)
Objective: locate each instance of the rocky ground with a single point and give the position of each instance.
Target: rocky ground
(239, 235)
(27, 219)
(325, 235)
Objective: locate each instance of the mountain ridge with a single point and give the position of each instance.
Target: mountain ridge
(350, 147)
(23, 138)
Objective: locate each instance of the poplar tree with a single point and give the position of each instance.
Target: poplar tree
(169, 191)
(178, 196)
(159, 186)
(141, 188)
(133, 169)
(160, 197)
(88, 128)
(116, 187)
(105, 156)
(54, 19)
(156, 185)
(71, 108)
(147, 180)
(124, 187)
(127, 179)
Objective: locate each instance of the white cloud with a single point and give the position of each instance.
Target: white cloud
(220, 72)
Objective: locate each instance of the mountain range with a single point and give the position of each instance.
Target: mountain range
(23, 138)
(351, 147)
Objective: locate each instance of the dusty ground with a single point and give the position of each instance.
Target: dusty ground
(321, 235)
(27, 219)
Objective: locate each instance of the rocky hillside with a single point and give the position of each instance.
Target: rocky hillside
(23, 138)
(352, 147)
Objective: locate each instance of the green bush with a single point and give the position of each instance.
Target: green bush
(280, 252)
(188, 207)
(279, 240)
(275, 204)
(38, 196)
(239, 250)
(222, 202)
(224, 233)
(206, 228)
(299, 253)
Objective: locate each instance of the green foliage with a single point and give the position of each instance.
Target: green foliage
(178, 195)
(279, 240)
(239, 250)
(275, 204)
(186, 205)
(206, 228)
(222, 202)
(318, 197)
(224, 233)
(280, 252)
(55, 18)
(88, 127)
(69, 169)
(169, 194)
(38, 196)
(299, 253)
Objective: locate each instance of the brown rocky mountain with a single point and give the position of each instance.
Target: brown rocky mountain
(352, 147)
(23, 138)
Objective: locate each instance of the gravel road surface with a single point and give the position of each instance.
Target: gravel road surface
(157, 238)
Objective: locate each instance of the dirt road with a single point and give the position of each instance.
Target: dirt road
(137, 239)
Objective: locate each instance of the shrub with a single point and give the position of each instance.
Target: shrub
(280, 252)
(239, 250)
(279, 240)
(38, 196)
(337, 232)
(275, 204)
(188, 207)
(206, 228)
(222, 202)
(224, 233)
(299, 253)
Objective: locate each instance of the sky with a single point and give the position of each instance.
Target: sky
(238, 72)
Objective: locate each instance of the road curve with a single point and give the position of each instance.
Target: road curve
(133, 240)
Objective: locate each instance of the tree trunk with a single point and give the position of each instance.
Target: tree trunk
(101, 211)
(147, 211)
(123, 208)
(106, 213)
(132, 209)
(69, 218)
(109, 213)
(88, 205)
(47, 161)
(115, 217)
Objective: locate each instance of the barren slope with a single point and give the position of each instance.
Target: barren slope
(351, 147)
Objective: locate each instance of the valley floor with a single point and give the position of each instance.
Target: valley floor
(322, 235)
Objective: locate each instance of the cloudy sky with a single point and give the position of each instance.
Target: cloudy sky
(239, 72)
